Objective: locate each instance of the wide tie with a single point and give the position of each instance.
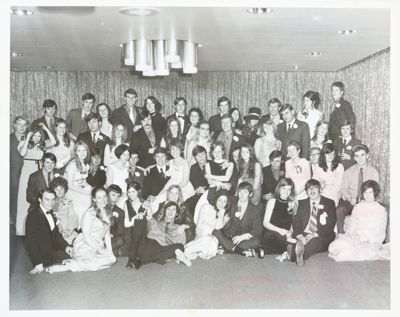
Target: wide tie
(94, 137)
(288, 129)
(360, 181)
(313, 219)
(48, 179)
(131, 116)
(168, 237)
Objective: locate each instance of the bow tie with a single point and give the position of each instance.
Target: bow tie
(50, 212)
(182, 117)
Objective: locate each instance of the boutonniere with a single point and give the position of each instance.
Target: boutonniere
(137, 174)
(100, 137)
(57, 222)
(56, 175)
(238, 214)
(348, 147)
(295, 126)
(290, 205)
(320, 207)
(115, 214)
(102, 168)
(235, 138)
(168, 173)
(298, 169)
(322, 219)
(337, 105)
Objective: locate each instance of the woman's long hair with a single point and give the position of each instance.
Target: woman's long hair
(114, 138)
(314, 138)
(251, 163)
(168, 204)
(169, 137)
(292, 197)
(97, 209)
(328, 148)
(66, 139)
(41, 143)
(180, 197)
(86, 161)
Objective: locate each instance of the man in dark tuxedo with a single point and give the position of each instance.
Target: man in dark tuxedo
(49, 118)
(231, 140)
(180, 114)
(293, 130)
(272, 174)
(43, 242)
(40, 180)
(244, 228)
(128, 113)
(313, 224)
(16, 161)
(197, 172)
(156, 179)
(117, 228)
(274, 107)
(145, 140)
(224, 105)
(135, 173)
(93, 138)
(344, 145)
(76, 122)
(97, 174)
(342, 111)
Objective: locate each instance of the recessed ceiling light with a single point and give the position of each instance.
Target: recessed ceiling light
(345, 32)
(199, 45)
(296, 67)
(315, 54)
(259, 10)
(15, 54)
(139, 11)
(21, 12)
(47, 67)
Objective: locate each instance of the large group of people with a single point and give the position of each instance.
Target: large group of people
(102, 184)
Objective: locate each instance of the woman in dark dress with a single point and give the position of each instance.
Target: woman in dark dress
(158, 122)
(278, 218)
(174, 134)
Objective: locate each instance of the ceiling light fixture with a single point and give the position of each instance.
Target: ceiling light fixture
(21, 12)
(315, 54)
(346, 32)
(259, 10)
(156, 57)
(15, 54)
(296, 67)
(47, 67)
(138, 11)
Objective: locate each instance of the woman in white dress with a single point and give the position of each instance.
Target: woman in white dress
(64, 146)
(267, 143)
(92, 250)
(320, 135)
(365, 229)
(76, 173)
(329, 172)
(117, 172)
(104, 111)
(211, 217)
(31, 149)
(298, 169)
(203, 139)
(119, 136)
(310, 112)
(179, 172)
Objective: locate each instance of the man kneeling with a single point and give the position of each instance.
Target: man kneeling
(242, 231)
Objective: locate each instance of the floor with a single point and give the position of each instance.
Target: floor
(227, 281)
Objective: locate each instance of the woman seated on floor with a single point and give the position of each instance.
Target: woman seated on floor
(278, 218)
(212, 216)
(152, 240)
(365, 229)
(68, 222)
(92, 249)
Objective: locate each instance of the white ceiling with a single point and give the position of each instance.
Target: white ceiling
(88, 38)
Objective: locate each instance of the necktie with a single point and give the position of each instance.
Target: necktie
(131, 116)
(94, 137)
(162, 172)
(313, 219)
(288, 129)
(48, 179)
(360, 181)
(168, 237)
(51, 127)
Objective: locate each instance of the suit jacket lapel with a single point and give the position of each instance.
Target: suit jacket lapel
(306, 213)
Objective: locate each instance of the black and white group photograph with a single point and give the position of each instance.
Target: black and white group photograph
(187, 157)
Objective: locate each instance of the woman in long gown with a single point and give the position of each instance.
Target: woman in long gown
(329, 172)
(250, 171)
(76, 173)
(278, 218)
(104, 112)
(117, 172)
(179, 172)
(119, 136)
(211, 217)
(365, 229)
(195, 118)
(267, 143)
(310, 112)
(158, 122)
(92, 250)
(32, 150)
(174, 134)
(64, 146)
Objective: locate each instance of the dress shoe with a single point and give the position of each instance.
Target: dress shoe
(260, 253)
(239, 250)
(134, 264)
(299, 249)
(290, 252)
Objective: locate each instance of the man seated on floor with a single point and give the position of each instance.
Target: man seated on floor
(312, 224)
(117, 228)
(241, 233)
(44, 243)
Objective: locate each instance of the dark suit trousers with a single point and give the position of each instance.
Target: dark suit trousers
(342, 210)
(252, 243)
(273, 243)
(117, 242)
(58, 256)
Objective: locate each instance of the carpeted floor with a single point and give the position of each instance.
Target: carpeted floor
(227, 281)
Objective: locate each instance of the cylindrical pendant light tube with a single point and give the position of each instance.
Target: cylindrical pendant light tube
(172, 51)
(143, 54)
(189, 58)
(129, 53)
